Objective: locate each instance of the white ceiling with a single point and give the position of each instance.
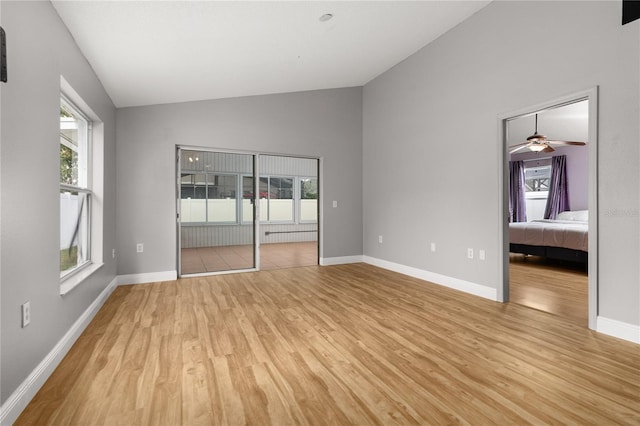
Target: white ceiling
(155, 52)
(568, 122)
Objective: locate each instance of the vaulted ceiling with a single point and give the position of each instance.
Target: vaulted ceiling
(154, 52)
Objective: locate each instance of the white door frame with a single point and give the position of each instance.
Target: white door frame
(256, 227)
(503, 158)
(256, 212)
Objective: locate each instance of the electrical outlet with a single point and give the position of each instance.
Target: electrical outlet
(470, 253)
(335, 204)
(380, 239)
(433, 246)
(481, 254)
(139, 248)
(26, 313)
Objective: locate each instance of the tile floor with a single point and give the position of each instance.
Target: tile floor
(272, 256)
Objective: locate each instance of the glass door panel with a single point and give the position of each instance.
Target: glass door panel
(216, 216)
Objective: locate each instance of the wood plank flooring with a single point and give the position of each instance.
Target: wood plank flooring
(560, 288)
(348, 344)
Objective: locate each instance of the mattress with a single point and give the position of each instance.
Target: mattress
(570, 234)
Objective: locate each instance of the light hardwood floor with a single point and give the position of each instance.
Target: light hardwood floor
(560, 288)
(348, 344)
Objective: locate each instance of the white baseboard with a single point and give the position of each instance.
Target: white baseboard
(454, 283)
(150, 277)
(614, 328)
(328, 261)
(619, 329)
(19, 399)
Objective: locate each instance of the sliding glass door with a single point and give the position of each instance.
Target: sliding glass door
(216, 212)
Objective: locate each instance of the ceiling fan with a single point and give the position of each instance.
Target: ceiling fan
(540, 143)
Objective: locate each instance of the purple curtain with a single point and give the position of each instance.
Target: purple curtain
(517, 205)
(558, 199)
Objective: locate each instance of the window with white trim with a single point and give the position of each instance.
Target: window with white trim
(308, 199)
(75, 189)
(210, 197)
(537, 177)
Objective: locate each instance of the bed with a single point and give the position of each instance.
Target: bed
(565, 238)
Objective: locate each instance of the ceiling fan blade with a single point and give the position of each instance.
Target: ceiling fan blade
(567, 143)
(549, 148)
(516, 148)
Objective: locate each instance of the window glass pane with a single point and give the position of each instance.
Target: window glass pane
(68, 164)
(222, 186)
(221, 197)
(73, 147)
(308, 199)
(74, 230)
(264, 209)
(308, 188)
(263, 187)
(281, 199)
(537, 178)
(281, 188)
(193, 193)
(75, 224)
(247, 199)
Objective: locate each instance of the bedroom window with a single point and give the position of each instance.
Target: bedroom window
(75, 189)
(537, 177)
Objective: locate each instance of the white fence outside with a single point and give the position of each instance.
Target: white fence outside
(224, 210)
(68, 218)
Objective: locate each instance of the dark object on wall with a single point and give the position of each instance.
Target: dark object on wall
(3, 55)
(630, 11)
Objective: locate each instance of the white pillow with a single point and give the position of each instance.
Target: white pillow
(579, 215)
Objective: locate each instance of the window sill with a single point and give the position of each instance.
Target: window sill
(536, 195)
(73, 281)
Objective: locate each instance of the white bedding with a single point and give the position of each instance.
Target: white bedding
(571, 234)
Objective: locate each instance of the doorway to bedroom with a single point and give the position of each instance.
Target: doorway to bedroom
(550, 193)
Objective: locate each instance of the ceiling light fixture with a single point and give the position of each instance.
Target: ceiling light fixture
(538, 147)
(326, 17)
(539, 143)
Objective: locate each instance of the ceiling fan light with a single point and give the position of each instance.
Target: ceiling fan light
(537, 147)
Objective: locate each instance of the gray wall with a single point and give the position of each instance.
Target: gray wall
(40, 50)
(431, 134)
(325, 123)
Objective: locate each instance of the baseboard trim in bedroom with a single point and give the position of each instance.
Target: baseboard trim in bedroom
(619, 329)
(149, 277)
(21, 397)
(443, 280)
